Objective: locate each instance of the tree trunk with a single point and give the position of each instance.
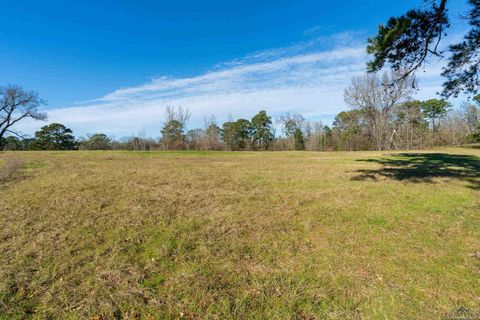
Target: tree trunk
(2, 133)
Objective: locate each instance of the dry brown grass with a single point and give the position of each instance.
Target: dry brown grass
(298, 235)
(8, 169)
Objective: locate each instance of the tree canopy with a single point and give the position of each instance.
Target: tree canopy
(97, 141)
(435, 109)
(262, 133)
(54, 136)
(407, 41)
(236, 134)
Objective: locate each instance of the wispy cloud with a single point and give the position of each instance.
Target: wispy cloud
(308, 77)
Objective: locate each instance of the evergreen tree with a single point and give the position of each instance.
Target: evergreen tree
(54, 136)
(262, 133)
(407, 41)
(435, 109)
(299, 139)
(237, 134)
(173, 136)
(98, 141)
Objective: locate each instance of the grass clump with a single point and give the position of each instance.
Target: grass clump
(8, 169)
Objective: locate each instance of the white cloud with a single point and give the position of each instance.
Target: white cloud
(308, 78)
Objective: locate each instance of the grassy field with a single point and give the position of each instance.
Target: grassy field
(292, 235)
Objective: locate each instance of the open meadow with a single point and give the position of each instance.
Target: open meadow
(239, 235)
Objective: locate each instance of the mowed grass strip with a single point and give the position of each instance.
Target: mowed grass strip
(274, 235)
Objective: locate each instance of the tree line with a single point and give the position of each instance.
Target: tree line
(382, 116)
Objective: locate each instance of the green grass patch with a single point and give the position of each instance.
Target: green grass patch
(33, 165)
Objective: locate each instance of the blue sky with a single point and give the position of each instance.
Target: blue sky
(114, 66)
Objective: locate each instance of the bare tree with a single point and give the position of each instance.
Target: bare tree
(17, 104)
(179, 114)
(139, 141)
(316, 136)
(173, 131)
(376, 96)
(454, 129)
(410, 124)
(289, 123)
(471, 113)
(212, 133)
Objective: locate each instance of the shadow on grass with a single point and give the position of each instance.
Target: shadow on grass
(473, 146)
(423, 167)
